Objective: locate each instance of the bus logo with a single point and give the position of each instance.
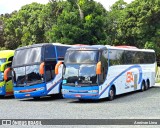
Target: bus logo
(129, 77)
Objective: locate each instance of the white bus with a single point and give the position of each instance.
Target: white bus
(98, 71)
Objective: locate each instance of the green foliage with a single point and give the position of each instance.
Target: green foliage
(84, 22)
(81, 21)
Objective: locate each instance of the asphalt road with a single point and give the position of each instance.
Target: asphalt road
(136, 105)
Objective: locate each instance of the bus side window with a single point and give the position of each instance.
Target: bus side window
(130, 57)
(116, 57)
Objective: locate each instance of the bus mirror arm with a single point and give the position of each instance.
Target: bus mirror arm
(57, 67)
(6, 73)
(98, 68)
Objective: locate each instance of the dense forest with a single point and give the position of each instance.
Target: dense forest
(83, 22)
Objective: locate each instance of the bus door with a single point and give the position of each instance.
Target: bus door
(49, 70)
(104, 66)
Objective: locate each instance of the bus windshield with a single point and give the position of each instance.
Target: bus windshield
(81, 57)
(2, 60)
(80, 73)
(27, 56)
(27, 75)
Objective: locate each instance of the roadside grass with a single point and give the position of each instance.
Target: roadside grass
(158, 74)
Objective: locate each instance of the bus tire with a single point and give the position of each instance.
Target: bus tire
(147, 85)
(82, 100)
(143, 88)
(111, 94)
(60, 95)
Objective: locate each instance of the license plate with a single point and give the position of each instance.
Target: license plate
(27, 95)
(77, 95)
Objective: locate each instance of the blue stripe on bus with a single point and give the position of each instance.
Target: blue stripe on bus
(111, 83)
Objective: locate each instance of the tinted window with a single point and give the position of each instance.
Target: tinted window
(149, 57)
(116, 57)
(81, 57)
(49, 68)
(32, 75)
(27, 75)
(139, 57)
(104, 62)
(61, 51)
(120, 57)
(50, 52)
(27, 56)
(130, 57)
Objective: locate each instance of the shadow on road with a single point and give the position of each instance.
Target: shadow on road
(43, 99)
(6, 97)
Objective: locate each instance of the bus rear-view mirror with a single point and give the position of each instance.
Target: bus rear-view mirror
(6, 72)
(98, 68)
(57, 67)
(41, 68)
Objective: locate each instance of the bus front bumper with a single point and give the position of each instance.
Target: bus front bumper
(37, 90)
(72, 92)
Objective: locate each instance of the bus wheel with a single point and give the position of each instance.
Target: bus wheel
(60, 95)
(147, 84)
(143, 86)
(111, 94)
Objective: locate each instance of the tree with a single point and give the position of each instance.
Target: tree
(115, 18)
(81, 21)
(22, 27)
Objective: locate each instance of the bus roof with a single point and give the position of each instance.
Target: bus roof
(6, 53)
(100, 47)
(87, 47)
(130, 48)
(41, 45)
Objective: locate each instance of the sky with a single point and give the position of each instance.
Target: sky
(8, 6)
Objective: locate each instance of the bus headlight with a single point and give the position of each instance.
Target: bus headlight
(65, 91)
(16, 91)
(39, 89)
(93, 91)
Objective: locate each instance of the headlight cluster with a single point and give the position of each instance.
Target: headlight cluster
(39, 89)
(93, 91)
